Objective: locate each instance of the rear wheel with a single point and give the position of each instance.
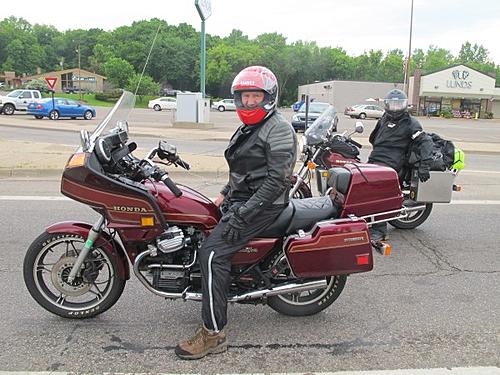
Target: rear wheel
(306, 303)
(221, 108)
(47, 265)
(414, 219)
(54, 115)
(38, 117)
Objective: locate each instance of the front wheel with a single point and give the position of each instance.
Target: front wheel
(8, 109)
(362, 116)
(54, 115)
(157, 107)
(47, 265)
(414, 219)
(88, 115)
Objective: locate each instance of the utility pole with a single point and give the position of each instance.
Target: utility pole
(408, 61)
(80, 74)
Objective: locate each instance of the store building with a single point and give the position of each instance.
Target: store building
(72, 80)
(459, 89)
(342, 94)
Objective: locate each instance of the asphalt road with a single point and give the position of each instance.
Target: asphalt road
(433, 303)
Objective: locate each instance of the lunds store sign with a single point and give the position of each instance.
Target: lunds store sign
(459, 80)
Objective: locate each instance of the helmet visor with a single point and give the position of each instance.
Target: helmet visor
(396, 105)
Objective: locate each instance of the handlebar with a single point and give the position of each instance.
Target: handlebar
(171, 185)
(358, 145)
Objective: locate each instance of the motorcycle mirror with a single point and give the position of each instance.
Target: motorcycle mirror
(167, 148)
(359, 128)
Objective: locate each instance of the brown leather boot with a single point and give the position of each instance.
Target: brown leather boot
(202, 343)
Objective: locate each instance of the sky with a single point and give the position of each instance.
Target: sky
(354, 25)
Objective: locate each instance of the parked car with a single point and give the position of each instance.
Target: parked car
(364, 110)
(315, 110)
(224, 105)
(63, 108)
(296, 106)
(18, 100)
(163, 103)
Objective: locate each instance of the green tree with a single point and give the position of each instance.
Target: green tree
(144, 86)
(472, 54)
(118, 71)
(99, 58)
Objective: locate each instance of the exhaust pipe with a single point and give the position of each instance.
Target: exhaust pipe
(281, 289)
(256, 294)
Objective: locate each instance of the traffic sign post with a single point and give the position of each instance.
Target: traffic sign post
(51, 82)
(204, 10)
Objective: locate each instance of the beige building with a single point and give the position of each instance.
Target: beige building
(342, 94)
(72, 80)
(459, 89)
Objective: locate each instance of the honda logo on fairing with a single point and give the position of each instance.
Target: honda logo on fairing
(129, 209)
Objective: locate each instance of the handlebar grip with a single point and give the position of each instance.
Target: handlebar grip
(358, 145)
(171, 185)
(183, 164)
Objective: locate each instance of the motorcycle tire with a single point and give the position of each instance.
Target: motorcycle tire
(48, 262)
(313, 302)
(414, 219)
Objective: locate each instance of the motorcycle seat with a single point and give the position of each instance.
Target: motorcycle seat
(301, 214)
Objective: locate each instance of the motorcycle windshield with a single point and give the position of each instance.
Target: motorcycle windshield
(116, 118)
(319, 129)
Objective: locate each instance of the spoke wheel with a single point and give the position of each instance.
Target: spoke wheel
(47, 265)
(414, 218)
(309, 302)
(87, 115)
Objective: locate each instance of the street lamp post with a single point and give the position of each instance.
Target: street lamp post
(204, 10)
(79, 74)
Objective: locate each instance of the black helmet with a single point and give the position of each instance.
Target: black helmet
(395, 103)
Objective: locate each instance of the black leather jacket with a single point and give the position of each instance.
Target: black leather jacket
(261, 159)
(391, 141)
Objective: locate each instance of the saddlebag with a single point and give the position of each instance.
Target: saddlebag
(437, 189)
(334, 247)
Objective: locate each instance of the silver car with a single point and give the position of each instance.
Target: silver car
(364, 110)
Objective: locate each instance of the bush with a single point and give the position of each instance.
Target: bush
(488, 115)
(111, 96)
(446, 113)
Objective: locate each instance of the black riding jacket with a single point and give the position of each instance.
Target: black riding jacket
(261, 159)
(391, 140)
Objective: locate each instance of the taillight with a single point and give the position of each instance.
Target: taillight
(39, 106)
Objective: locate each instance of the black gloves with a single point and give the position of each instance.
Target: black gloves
(423, 174)
(234, 226)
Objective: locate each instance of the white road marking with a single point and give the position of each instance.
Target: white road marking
(424, 371)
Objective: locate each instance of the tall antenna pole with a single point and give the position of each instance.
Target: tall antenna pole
(408, 62)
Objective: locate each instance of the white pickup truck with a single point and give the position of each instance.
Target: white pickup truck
(18, 100)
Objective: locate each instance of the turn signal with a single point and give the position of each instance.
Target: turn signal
(311, 165)
(457, 187)
(147, 221)
(77, 160)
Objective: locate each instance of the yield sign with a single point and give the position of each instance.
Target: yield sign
(51, 81)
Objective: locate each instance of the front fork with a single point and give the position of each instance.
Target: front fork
(94, 233)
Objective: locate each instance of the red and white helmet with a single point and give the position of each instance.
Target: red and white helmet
(255, 78)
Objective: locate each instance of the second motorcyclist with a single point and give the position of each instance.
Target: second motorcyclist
(391, 139)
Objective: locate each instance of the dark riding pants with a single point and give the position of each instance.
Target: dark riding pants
(215, 261)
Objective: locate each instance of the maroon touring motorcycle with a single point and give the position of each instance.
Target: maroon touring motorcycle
(154, 226)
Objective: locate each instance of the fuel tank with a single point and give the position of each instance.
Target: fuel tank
(191, 207)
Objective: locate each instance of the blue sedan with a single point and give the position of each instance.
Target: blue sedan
(63, 108)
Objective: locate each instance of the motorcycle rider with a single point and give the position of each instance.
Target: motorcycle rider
(261, 155)
(392, 137)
